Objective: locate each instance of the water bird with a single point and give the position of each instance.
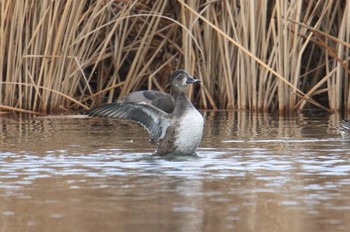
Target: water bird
(344, 128)
(170, 119)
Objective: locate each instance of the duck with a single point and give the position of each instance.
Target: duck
(170, 119)
(344, 129)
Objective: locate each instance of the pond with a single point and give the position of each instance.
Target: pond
(252, 172)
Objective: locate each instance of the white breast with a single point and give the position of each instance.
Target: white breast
(189, 132)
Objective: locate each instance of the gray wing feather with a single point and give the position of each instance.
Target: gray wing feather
(154, 120)
(161, 100)
(145, 96)
(137, 97)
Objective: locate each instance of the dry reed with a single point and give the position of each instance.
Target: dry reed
(58, 56)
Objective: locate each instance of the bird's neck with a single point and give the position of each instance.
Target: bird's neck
(179, 95)
(182, 103)
(174, 91)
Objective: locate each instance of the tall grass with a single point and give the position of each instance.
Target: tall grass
(58, 56)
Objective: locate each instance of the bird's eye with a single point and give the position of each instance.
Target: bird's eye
(180, 75)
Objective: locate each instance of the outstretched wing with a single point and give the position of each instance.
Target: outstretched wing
(160, 100)
(154, 120)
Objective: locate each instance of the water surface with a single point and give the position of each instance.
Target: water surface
(252, 172)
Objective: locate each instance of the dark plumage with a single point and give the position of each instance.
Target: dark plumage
(171, 120)
(160, 100)
(154, 120)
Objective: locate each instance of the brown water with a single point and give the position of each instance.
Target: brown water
(251, 173)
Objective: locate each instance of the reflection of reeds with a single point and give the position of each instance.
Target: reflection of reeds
(257, 55)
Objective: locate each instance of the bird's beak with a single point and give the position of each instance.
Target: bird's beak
(191, 80)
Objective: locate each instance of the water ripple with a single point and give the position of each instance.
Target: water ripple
(239, 172)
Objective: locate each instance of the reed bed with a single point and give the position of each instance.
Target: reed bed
(66, 55)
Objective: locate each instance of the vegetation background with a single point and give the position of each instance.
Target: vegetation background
(66, 55)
